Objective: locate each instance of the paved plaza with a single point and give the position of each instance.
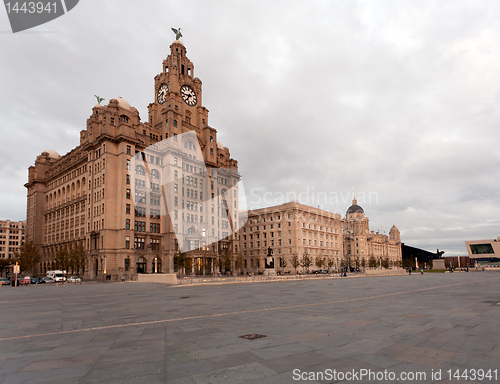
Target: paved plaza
(296, 331)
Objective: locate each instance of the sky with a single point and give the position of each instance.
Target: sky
(394, 102)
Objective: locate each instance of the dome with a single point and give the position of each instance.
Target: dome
(98, 106)
(123, 103)
(354, 208)
(52, 154)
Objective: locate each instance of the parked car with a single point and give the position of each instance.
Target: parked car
(4, 281)
(35, 280)
(46, 280)
(74, 279)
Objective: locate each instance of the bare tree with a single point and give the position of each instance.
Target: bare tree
(238, 264)
(27, 256)
(305, 261)
(78, 258)
(319, 262)
(62, 259)
(330, 264)
(295, 262)
(180, 261)
(283, 263)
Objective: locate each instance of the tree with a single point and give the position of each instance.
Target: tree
(4, 265)
(385, 262)
(372, 262)
(62, 259)
(180, 261)
(330, 264)
(216, 264)
(27, 256)
(283, 263)
(227, 260)
(363, 262)
(78, 258)
(189, 265)
(319, 262)
(295, 262)
(238, 264)
(305, 261)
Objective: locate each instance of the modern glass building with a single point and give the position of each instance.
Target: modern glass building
(486, 252)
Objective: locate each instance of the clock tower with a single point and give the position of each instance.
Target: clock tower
(177, 106)
(202, 164)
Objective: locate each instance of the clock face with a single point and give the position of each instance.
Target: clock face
(188, 95)
(161, 96)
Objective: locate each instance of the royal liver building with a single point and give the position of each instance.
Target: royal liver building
(135, 193)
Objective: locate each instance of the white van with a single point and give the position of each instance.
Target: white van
(57, 276)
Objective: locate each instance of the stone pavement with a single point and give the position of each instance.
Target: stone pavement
(151, 333)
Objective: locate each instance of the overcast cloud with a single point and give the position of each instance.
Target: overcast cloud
(396, 102)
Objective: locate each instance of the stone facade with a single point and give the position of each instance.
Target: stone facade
(136, 193)
(291, 229)
(361, 244)
(11, 237)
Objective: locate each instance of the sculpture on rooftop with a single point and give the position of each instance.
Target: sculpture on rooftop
(178, 33)
(99, 99)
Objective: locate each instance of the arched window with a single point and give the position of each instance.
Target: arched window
(156, 265)
(141, 265)
(191, 231)
(155, 174)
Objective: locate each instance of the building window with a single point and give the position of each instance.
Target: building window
(211, 151)
(128, 149)
(128, 194)
(127, 209)
(175, 126)
(127, 224)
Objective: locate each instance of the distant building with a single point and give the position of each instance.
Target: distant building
(11, 237)
(459, 262)
(293, 229)
(361, 244)
(422, 257)
(290, 230)
(485, 252)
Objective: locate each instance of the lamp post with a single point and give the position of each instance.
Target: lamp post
(104, 275)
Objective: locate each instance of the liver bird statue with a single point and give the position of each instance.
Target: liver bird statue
(99, 99)
(178, 33)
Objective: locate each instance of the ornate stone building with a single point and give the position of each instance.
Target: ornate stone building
(290, 230)
(135, 193)
(361, 244)
(11, 237)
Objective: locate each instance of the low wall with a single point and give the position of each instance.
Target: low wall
(384, 272)
(166, 278)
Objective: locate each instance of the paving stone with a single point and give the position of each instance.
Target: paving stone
(396, 323)
(234, 375)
